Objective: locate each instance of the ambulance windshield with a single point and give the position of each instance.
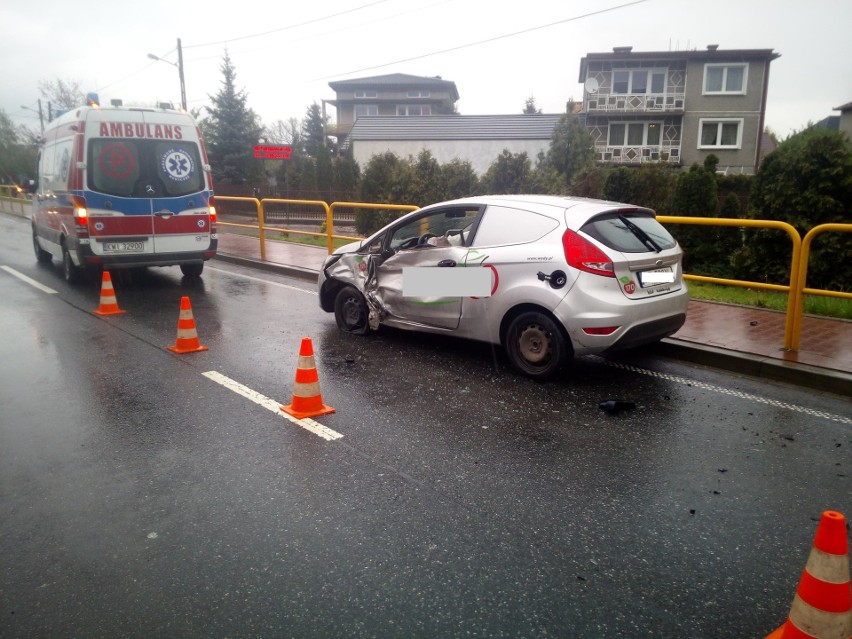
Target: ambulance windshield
(144, 168)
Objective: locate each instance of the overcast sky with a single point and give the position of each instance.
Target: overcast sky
(285, 52)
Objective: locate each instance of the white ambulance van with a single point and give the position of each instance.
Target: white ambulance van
(121, 188)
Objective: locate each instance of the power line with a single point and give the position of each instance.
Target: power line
(479, 42)
(293, 26)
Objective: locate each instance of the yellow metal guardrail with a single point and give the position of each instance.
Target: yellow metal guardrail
(795, 290)
(262, 228)
(13, 200)
(801, 280)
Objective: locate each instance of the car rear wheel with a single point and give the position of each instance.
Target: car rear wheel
(536, 345)
(351, 312)
(73, 273)
(41, 255)
(192, 270)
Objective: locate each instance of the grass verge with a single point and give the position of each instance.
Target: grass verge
(773, 300)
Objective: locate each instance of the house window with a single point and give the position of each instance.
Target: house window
(418, 94)
(414, 109)
(720, 134)
(635, 133)
(362, 110)
(365, 94)
(725, 78)
(640, 81)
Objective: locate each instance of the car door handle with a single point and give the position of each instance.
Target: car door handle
(447, 263)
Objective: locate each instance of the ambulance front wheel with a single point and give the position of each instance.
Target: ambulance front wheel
(41, 255)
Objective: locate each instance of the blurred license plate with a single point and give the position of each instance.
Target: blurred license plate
(656, 277)
(124, 247)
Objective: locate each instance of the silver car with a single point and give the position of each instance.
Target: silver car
(546, 277)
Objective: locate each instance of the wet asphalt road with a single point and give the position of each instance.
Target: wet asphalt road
(139, 498)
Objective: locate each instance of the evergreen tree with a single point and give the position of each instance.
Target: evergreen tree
(707, 249)
(572, 149)
(806, 181)
(232, 130)
(530, 107)
(313, 131)
(509, 173)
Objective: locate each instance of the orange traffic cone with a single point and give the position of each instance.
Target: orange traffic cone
(307, 401)
(109, 305)
(187, 337)
(822, 607)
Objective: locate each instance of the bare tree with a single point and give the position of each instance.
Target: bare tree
(61, 94)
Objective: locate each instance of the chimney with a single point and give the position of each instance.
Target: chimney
(712, 47)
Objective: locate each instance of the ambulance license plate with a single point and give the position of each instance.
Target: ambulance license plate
(124, 247)
(656, 277)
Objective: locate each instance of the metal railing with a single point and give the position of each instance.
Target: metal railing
(329, 209)
(796, 289)
(13, 200)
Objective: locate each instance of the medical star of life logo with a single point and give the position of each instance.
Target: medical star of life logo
(177, 164)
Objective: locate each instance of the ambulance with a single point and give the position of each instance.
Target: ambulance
(123, 187)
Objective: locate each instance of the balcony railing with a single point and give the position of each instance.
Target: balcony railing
(638, 154)
(636, 102)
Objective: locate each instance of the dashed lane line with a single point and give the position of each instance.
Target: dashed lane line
(733, 393)
(259, 279)
(272, 405)
(29, 280)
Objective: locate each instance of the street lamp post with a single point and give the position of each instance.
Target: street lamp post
(179, 66)
(40, 114)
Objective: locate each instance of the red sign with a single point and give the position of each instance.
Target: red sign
(272, 152)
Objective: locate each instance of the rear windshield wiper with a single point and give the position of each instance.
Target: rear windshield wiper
(642, 235)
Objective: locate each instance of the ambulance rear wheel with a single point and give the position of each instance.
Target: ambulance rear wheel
(192, 270)
(41, 255)
(73, 273)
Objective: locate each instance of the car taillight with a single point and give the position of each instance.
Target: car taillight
(585, 256)
(211, 205)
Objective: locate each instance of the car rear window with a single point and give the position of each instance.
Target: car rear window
(629, 232)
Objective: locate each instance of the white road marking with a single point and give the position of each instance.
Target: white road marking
(272, 405)
(258, 279)
(734, 393)
(28, 280)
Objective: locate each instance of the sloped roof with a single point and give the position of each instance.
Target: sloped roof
(456, 127)
(401, 80)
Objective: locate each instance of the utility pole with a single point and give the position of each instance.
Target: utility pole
(180, 73)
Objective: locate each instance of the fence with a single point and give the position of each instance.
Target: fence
(798, 267)
(13, 200)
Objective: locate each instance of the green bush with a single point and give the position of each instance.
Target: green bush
(806, 181)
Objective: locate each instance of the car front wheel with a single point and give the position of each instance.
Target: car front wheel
(351, 312)
(536, 345)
